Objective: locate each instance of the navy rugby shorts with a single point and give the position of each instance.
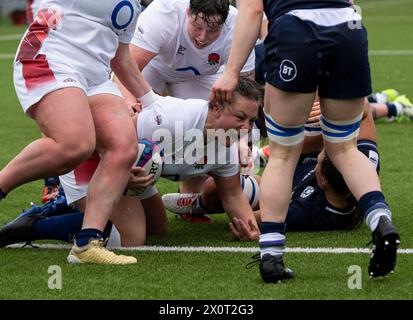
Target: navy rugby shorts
(302, 56)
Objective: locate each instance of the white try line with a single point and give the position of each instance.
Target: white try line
(381, 19)
(391, 53)
(216, 249)
(9, 37)
(6, 56)
(383, 3)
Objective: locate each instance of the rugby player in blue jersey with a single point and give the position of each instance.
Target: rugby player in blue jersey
(311, 45)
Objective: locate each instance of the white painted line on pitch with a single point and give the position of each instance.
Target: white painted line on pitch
(391, 53)
(9, 37)
(382, 3)
(217, 249)
(387, 19)
(6, 56)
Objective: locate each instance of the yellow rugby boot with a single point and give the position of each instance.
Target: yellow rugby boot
(391, 94)
(95, 252)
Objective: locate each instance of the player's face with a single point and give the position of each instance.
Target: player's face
(201, 32)
(240, 115)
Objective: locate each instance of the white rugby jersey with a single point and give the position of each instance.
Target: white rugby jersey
(162, 29)
(162, 115)
(161, 119)
(84, 35)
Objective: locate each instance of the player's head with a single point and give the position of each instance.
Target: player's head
(205, 20)
(247, 99)
(328, 177)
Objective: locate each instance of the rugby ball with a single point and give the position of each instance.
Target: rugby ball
(251, 189)
(150, 158)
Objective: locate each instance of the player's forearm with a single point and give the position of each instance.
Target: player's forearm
(128, 72)
(237, 206)
(247, 30)
(130, 76)
(129, 97)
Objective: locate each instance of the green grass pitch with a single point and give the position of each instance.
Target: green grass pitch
(217, 275)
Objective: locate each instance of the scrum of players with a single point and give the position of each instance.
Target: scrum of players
(126, 77)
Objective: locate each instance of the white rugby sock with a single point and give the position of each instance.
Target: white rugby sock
(114, 239)
(272, 243)
(372, 219)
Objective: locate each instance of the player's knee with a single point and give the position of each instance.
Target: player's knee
(283, 135)
(130, 153)
(209, 186)
(75, 153)
(123, 153)
(340, 131)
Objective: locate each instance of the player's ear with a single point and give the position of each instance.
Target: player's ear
(216, 108)
(324, 184)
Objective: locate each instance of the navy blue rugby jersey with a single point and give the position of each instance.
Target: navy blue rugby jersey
(309, 209)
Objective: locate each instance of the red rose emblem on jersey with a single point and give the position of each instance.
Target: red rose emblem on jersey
(213, 59)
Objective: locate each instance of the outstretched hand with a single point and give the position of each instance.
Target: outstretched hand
(241, 231)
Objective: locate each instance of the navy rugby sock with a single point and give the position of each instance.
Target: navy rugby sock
(65, 227)
(394, 109)
(85, 235)
(373, 206)
(272, 238)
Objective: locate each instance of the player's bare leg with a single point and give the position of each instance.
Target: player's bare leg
(286, 116)
(362, 180)
(117, 144)
(65, 119)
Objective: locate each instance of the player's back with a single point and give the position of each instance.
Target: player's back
(84, 34)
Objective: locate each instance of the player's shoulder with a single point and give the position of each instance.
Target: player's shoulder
(179, 104)
(232, 16)
(165, 6)
(161, 18)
